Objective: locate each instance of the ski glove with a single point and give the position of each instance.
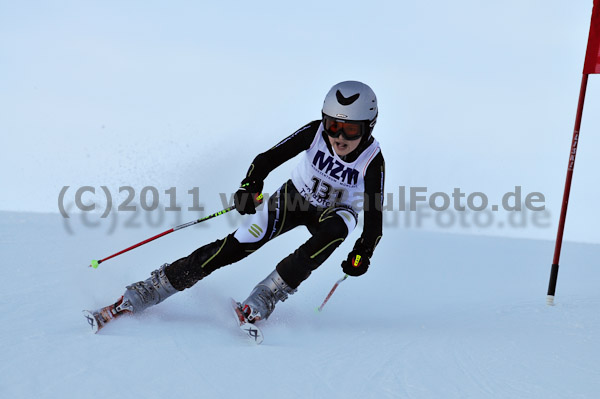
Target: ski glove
(245, 197)
(357, 263)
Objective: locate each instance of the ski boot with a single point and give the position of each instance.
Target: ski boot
(143, 294)
(137, 297)
(261, 302)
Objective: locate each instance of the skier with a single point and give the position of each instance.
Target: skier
(342, 168)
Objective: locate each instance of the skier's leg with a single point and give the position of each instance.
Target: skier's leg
(183, 273)
(249, 237)
(331, 229)
(329, 232)
(187, 271)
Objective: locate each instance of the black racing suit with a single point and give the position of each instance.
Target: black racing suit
(287, 209)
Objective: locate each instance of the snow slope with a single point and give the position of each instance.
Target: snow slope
(437, 316)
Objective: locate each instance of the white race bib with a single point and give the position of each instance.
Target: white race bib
(324, 179)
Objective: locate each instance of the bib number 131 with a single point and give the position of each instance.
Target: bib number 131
(323, 191)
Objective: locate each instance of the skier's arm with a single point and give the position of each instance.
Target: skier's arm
(245, 198)
(359, 258)
(283, 151)
(374, 189)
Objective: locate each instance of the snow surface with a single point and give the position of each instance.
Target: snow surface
(436, 316)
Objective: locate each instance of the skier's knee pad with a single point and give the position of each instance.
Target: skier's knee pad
(338, 221)
(254, 228)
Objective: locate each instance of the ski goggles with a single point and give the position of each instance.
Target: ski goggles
(350, 130)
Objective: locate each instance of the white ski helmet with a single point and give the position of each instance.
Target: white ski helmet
(352, 101)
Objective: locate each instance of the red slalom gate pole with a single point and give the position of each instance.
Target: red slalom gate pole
(565, 201)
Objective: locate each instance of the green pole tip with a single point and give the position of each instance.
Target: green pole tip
(94, 264)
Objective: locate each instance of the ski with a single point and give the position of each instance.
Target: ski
(97, 319)
(251, 331)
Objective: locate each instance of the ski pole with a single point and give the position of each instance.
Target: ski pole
(320, 308)
(95, 263)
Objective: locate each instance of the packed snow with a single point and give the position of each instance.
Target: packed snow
(436, 316)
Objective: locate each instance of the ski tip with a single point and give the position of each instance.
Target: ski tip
(94, 263)
(91, 320)
(253, 333)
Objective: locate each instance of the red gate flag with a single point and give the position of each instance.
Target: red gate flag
(592, 55)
